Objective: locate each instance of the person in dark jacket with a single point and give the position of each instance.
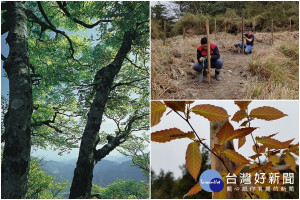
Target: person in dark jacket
(201, 64)
(249, 37)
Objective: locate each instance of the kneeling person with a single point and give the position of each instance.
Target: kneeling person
(216, 62)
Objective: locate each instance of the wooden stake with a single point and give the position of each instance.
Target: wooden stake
(165, 32)
(208, 51)
(215, 29)
(290, 25)
(254, 24)
(243, 35)
(272, 31)
(183, 30)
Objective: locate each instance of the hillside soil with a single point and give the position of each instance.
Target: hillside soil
(173, 76)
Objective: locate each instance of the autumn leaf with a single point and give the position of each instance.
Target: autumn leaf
(259, 149)
(239, 115)
(170, 134)
(176, 105)
(245, 123)
(235, 156)
(189, 102)
(262, 194)
(193, 159)
(242, 141)
(157, 111)
(267, 113)
(194, 190)
(273, 143)
(255, 156)
(243, 105)
(259, 167)
(274, 159)
(210, 112)
(227, 133)
(239, 169)
(217, 149)
(294, 148)
(290, 161)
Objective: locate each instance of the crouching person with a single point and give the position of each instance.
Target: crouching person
(216, 62)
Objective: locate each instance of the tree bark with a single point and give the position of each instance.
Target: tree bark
(17, 121)
(83, 174)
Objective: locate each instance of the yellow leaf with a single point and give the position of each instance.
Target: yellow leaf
(239, 169)
(193, 159)
(157, 111)
(273, 143)
(194, 190)
(235, 156)
(274, 159)
(176, 105)
(243, 105)
(211, 112)
(290, 161)
(217, 149)
(227, 133)
(260, 149)
(267, 113)
(170, 134)
(242, 141)
(239, 115)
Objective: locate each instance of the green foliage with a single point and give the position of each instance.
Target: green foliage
(137, 147)
(123, 189)
(41, 185)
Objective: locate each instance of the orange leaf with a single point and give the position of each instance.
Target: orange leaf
(227, 133)
(193, 159)
(255, 156)
(274, 159)
(273, 144)
(243, 105)
(189, 102)
(245, 123)
(260, 167)
(239, 169)
(217, 149)
(260, 149)
(267, 113)
(294, 148)
(239, 115)
(290, 161)
(170, 134)
(194, 190)
(242, 141)
(176, 105)
(235, 156)
(157, 111)
(210, 112)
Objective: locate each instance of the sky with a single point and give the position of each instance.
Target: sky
(169, 156)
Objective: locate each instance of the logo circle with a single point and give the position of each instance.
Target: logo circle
(211, 181)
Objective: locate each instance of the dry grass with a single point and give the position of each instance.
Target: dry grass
(275, 70)
(272, 70)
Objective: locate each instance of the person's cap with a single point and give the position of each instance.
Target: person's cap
(249, 29)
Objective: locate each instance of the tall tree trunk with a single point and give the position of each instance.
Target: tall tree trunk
(83, 174)
(17, 122)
